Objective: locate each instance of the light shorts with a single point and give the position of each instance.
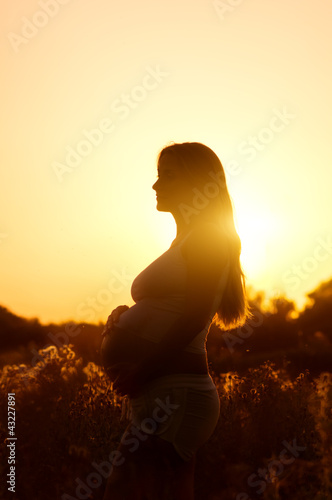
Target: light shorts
(180, 408)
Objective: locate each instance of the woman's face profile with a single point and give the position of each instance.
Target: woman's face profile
(172, 186)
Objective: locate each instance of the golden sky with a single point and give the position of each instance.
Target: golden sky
(91, 91)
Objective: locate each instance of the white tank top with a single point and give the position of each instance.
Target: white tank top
(159, 292)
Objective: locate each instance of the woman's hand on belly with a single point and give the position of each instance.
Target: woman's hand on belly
(113, 318)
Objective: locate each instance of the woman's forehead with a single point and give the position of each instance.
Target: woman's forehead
(168, 161)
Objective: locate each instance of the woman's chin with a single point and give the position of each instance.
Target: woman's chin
(162, 207)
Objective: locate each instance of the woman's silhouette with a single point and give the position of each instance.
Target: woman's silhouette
(154, 352)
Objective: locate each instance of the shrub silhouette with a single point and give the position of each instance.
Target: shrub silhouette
(68, 417)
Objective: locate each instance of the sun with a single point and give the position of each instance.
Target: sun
(258, 231)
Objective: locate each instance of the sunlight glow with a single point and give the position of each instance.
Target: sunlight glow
(91, 98)
(258, 232)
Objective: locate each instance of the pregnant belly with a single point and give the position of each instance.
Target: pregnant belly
(121, 347)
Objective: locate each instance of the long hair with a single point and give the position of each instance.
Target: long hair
(205, 171)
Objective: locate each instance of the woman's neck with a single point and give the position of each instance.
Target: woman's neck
(183, 229)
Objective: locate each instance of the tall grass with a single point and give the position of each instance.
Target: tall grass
(68, 418)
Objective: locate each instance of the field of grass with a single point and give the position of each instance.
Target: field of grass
(273, 439)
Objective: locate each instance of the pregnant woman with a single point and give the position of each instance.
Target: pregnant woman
(154, 352)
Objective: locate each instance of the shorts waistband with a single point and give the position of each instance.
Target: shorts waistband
(197, 381)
